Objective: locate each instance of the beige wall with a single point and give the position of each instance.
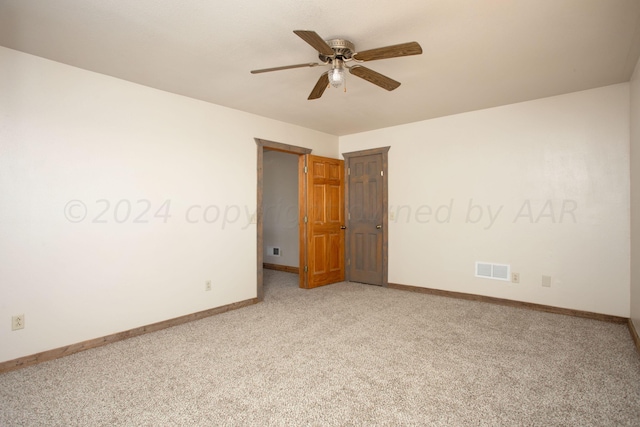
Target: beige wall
(72, 140)
(280, 196)
(635, 197)
(541, 185)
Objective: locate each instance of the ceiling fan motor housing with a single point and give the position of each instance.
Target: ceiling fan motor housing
(343, 49)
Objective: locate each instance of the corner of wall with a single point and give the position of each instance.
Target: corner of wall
(634, 299)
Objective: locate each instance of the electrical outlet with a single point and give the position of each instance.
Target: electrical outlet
(515, 277)
(17, 322)
(546, 281)
(207, 285)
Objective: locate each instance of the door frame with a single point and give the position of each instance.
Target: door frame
(263, 145)
(385, 209)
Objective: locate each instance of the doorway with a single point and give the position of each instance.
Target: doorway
(352, 244)
(280, 206)
(262, 146)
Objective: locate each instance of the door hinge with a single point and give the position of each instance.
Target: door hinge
(349, 261)
(348, 171)
(349, 215)
(306, 269)
(381, 173)
(306, 169)
(306, 219)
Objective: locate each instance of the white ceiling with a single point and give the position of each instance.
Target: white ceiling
(477, 53)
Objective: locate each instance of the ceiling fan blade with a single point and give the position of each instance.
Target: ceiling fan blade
(403, 49)
(374, 77)
(315, 41)
(286, 67)
(320, 86)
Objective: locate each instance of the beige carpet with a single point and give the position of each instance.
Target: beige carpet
(346, 354)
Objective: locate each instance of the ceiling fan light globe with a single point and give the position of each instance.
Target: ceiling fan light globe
(336, 77)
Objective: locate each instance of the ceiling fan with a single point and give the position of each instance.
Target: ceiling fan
(337, 52)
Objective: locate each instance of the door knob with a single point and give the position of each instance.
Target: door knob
(378, 226)
(342, 227)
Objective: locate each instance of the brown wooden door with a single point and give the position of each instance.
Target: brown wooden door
(365, 220)
(323, 229)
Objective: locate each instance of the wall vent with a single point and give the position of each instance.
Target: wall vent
(273, 251)
(490, 270)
